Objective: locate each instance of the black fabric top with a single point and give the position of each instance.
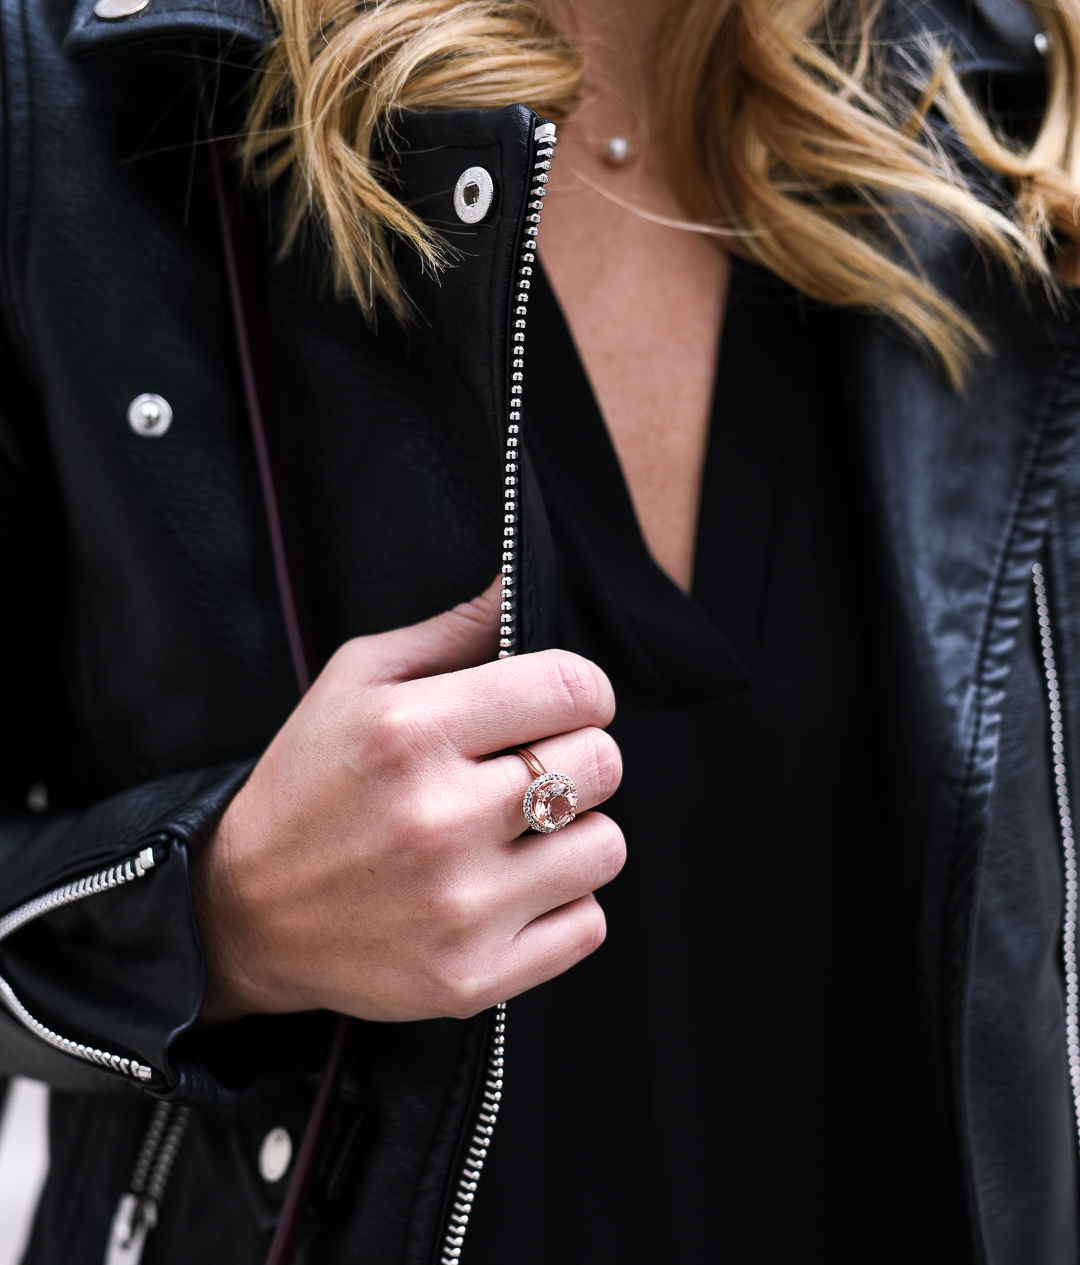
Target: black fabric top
(736, 1074)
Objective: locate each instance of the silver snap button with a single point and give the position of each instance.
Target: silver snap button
(275, 1155)
(149, 415)
(110, 10)
(472, 195)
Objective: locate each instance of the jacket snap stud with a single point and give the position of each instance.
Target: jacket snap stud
(472, 194)
(149, 415)
(110, 10)
(275, 1155)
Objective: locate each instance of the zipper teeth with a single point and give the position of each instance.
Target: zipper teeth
(166, 1157)
(1068, 840)
(101, 881)
(478, 1144)
(155, 1131)
(136, 1214)
(545, 140)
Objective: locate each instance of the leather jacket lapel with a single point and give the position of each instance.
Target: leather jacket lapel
(243, 23)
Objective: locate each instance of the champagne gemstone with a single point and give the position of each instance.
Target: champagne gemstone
(554, 804)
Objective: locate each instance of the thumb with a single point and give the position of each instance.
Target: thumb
(463, 637)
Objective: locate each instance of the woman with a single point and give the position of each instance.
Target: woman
(835, 1013)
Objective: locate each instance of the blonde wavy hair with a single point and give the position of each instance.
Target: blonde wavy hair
(799, 138)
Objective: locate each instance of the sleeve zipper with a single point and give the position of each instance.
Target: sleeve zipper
(102, 880)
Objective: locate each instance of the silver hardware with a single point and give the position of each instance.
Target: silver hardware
(275, 1155)
(137, 1212)
(473, 194)
(114, 876)
(544, 133)
(110, 10)
(149, 415)
(1068, 840)
(478, 1145)
(1044, 42)
(132, 1222)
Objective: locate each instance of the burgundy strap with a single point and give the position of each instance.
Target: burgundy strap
(242, 268)
(249, 322)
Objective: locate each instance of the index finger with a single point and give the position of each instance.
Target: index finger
(511, 701)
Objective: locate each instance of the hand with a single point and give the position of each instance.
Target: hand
(374, 864)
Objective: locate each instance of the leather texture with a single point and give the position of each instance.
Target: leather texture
(1016, 1073)
(146, 664)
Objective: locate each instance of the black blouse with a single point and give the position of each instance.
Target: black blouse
(736, 1074)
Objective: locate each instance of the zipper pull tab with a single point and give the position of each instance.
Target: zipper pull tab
(135, 1217)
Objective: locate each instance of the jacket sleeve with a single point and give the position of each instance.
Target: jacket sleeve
(101, 968)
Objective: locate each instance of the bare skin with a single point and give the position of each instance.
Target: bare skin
(644, 301)
(374, 863)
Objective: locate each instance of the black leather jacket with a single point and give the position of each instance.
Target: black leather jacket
(145, 661)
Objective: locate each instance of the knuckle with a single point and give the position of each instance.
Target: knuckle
(457, 909)
(612, 851)
(607, 764)
(606, 848)
(593, 929)
(404, 728)
(424, 827)
(573, 681)
(458, 992)
(351, 659)
(465, 999)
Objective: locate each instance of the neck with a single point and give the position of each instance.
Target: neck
(617, 38)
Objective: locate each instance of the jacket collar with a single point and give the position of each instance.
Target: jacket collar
(986, 34)
(242, 24)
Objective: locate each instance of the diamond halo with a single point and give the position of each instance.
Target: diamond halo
(550, 803)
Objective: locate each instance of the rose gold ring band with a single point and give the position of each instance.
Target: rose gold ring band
(535, 767)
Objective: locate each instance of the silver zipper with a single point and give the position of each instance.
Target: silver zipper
(478, 1143)
(137, 1212)
(545, 141)
(103, 880)
(1068, 841)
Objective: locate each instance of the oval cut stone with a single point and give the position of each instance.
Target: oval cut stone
(554, 804)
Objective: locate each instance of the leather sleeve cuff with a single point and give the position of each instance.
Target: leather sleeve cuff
(110, 973)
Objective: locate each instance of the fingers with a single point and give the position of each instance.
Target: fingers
(474, 808)
(465, 984)
(508, 886)
(507, 703)
(545, 872)
(590, 757)
(553, 943)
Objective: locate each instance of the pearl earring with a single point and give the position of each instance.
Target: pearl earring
(617, 151)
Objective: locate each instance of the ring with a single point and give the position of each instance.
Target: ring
(552, 798)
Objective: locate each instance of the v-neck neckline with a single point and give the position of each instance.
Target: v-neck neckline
(682, 645)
